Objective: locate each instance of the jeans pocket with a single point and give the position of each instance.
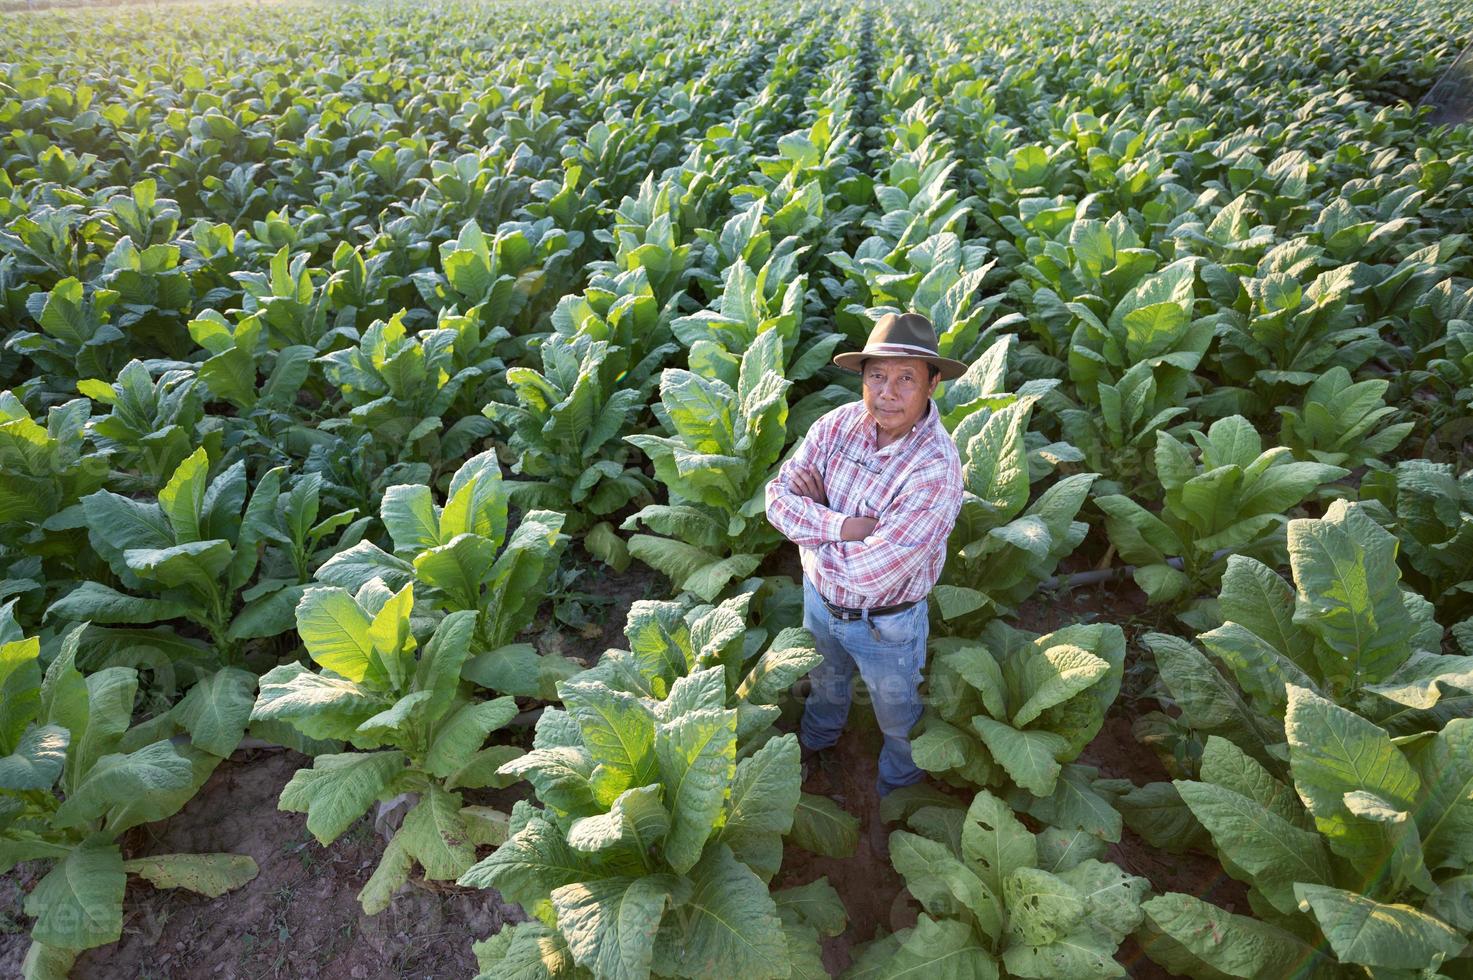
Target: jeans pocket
(896, 628)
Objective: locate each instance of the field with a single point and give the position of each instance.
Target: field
(388, 394)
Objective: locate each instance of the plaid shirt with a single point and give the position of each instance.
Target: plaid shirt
(912, 487)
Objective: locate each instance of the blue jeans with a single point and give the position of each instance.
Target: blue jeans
(889, 652)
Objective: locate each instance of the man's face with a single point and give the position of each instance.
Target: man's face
(896, 391)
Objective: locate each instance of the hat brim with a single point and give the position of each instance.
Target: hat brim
(854, 361)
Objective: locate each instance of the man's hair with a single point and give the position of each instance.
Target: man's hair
(932, 371)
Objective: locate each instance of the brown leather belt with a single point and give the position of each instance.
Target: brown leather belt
(845, 613)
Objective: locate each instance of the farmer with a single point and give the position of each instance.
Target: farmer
(870, 497)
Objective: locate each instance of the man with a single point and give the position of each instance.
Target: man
(870, 497)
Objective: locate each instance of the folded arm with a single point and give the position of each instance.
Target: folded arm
(900, 545)
(791, 507)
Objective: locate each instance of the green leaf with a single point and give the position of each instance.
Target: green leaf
(121, 777)
(697, 761)
(732, 926)
(335, 630)
(318, 706)
(211, 875)
(408, 513)
(1274, 852)
(38, 759)
(816, 904)
(1054, 675)
(821, 827)
(610, 925)
(1445, 819)
(994, 842)
(183, 497)
(435, 835)
(618, 730)
(1370, 933)
(1030, 758)
(1345, 570)
(217, 710)
(1041, 907)
(79, 903)
(460, 736)
(392, 871)
(95, 602)
(765, 790)
(1333, 752)
(45, 962)
(527, 868)
(1192, 938)
(338, 789)
(636, 822)
(938, 950)
(942, 883)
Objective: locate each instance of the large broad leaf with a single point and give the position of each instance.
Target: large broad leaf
(408, 513)
(338, 789)
(697, 760)
(619, 732)
(216, 711)
(821, 827)
(316, 705)
(1030, 758)
(764, 794)
(610, 925)
(156, 769)
(1445, 819)
(1055, 674)
(435, 834)
(816, 904)
(1335, 752)
(1274, 852)
(526, 869)
(1041, 907)
(79, 904)
(529, 951)
(635, 824)
(461, 735)
(1157, 813)
(211, 875)
(1257, 599)
(938, 950)
(335, 630)
(183, 497)
(994, 842)
(37, 760)
(731, 926)
(1370, 933)
(1192, 938)
(1209, 702)
(98, 603)
(943, 885)
(1345, 569)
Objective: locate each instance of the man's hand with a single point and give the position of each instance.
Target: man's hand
(857, 528)
(807, 483)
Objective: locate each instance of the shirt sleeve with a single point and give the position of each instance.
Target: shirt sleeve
(902, 543)
(802, 520)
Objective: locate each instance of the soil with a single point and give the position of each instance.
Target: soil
(300, 917)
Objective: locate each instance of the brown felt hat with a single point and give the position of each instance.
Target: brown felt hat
(902, 335)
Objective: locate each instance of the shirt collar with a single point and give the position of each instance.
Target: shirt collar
(870, 432)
